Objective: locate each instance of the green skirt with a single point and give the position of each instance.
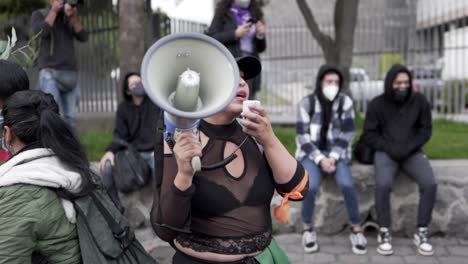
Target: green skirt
(273, 254)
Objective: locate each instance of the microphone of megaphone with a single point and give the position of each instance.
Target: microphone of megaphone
(190, 76)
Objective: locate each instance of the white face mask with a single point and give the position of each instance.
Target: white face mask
(330, 91)
(243, 3)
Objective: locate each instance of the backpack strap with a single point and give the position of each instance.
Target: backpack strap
(312, 105)
(340, 107)
(119, 233)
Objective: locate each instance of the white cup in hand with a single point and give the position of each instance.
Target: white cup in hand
(247, 103)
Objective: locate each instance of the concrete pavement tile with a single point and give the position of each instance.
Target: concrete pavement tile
(452, 260)
(386, 259)
(352, 259)
(295, 258)
(295, 249)
(341, 240)
(444, 241)
(461, 251)
(325, 240)
(288, 239)
(401, 250)
(319, 258)
(421, 260)
(335, 249)
(440, 251)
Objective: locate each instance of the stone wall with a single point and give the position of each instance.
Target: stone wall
(450, 215)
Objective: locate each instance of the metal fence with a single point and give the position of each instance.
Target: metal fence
(98, 57)
(434, 45)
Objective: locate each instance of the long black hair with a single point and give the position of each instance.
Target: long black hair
(126, 88)
(224, 6)
(33, 117)
(12, 79)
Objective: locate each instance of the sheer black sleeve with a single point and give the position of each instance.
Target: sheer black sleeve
(172, 212)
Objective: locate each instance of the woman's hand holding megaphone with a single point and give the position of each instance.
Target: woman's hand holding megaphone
(186, 148)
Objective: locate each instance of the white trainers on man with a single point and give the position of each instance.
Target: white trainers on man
(384, 239)
(421, 241)
(309, 241)
(358, 243)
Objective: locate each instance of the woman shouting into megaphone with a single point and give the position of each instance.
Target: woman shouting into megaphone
(222, 215)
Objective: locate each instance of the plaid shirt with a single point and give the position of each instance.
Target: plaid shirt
(340, 134)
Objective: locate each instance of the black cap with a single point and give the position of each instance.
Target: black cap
(250, 66)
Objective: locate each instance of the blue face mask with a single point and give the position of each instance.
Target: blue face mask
(4, 146)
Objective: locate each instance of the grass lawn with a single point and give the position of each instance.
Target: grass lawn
(449, 140)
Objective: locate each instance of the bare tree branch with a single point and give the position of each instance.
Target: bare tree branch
(322, 38)
(337, 50)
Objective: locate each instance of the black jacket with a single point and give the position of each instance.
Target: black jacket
(398, 129)
(223, 28)
(136, 124)
(57, 49)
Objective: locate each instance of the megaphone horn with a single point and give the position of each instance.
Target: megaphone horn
(190, 76)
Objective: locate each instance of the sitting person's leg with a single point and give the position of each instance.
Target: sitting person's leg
(309, 238)
(418, 167)
(108, 182)
(385, 172)
(345, 183)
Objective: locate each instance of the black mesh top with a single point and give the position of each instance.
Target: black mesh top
(224, 214)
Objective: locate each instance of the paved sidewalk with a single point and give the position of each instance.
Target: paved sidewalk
(337, 249)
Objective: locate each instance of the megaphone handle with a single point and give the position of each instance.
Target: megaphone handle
(196, 164)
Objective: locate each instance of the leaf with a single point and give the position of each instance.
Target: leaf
(11, 42)
(13, 37)
(3, 44)
(6, 52)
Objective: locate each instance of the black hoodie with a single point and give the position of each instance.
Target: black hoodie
(324, 102)
(399, 129)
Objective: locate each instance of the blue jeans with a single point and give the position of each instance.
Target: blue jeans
(68, 102)
(344, 180)
(108, 177)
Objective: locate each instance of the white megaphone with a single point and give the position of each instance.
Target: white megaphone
(190, 76)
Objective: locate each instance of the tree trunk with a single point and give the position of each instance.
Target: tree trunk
(338, 50)
(131, 37)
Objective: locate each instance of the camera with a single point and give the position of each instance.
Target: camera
(73, 2)
(252, 21)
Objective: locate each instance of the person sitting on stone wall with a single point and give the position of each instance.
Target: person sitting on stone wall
(398, 124)
(325, 130)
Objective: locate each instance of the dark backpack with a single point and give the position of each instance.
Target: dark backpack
(104, 233)
(130, 172)
(363, 152)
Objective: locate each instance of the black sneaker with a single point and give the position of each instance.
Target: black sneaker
(384, 238)
(421, 241)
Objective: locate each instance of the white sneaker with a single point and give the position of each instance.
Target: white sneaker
(422, 242)
(309, 241)
(385, 242)
(358, 242)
